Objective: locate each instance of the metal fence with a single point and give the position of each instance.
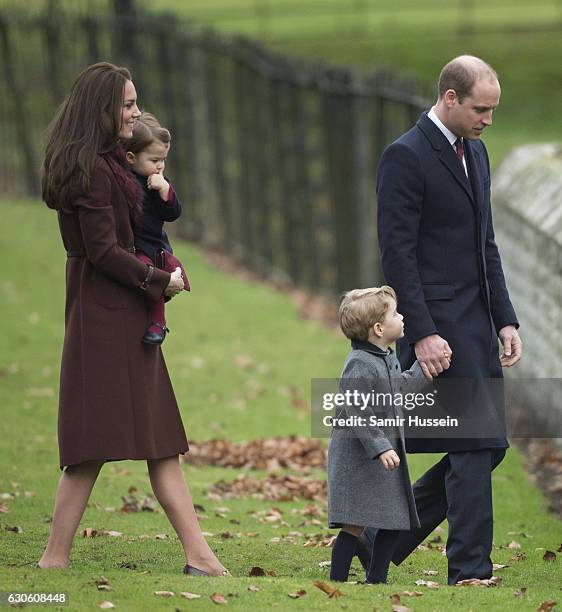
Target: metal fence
(274, 158)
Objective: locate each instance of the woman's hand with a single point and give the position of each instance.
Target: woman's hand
(389, 459)
(175, 285)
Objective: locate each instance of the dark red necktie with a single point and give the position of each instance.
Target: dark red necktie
(459, 148)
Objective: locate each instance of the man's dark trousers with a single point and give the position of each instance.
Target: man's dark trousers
(452, 489)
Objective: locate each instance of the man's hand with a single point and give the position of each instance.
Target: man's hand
(389, 459)
(512, 346)
(434, 355)
(158, 183)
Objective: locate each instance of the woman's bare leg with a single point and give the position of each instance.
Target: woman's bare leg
(73, 492)
(172, 492)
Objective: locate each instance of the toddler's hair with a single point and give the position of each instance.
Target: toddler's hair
(146, 131)
(360, 309)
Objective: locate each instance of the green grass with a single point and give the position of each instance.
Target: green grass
(224, 317)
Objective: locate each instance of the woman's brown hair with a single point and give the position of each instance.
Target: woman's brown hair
(86, 124)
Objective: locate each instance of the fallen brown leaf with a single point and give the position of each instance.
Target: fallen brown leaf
(164, 593)
(521, 556)
(400, 608)
(330, 591)
(243, 361)
(498, 566)
(514, 544)
(89, 532)
(522, 592)
(130, 504)
(4, 508)
(549, 556)
(430, 584)
(430, 572)
(285, 487)
(106, 605)
(102, 583)
(412, 593)
(297, 594)
(257, 571)
(253, 588)
(486, 582)
(148, 503)
(188, 595)
(546, 605)
(218, 599)
(297, 453)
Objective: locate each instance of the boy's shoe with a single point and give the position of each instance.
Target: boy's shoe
(152, 337)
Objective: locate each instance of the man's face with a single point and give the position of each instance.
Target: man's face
(473, 115)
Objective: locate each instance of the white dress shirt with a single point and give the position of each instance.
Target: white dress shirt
(447, 133)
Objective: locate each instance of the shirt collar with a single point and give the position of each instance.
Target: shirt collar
(452, 138)
(364, 345)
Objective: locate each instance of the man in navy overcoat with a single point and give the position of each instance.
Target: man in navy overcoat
(438, 252)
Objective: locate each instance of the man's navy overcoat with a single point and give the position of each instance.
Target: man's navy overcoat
(438, 252)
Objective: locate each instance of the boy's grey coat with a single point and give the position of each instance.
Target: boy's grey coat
(360, 490)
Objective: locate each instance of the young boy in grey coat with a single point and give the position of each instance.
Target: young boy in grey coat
(368, 480)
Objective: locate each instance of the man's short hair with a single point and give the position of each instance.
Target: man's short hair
(461, 73)
(360, 309)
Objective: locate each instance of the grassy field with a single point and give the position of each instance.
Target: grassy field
(224, 323)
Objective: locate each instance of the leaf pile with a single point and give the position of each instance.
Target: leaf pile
(273, 487)
(297, 453)
(544, 461)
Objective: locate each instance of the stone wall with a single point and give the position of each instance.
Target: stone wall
(527, 210)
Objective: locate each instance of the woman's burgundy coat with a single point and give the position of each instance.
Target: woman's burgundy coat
(116, 398)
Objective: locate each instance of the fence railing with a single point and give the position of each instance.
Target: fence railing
(274, 158)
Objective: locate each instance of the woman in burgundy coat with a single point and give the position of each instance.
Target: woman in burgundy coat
(116, 399)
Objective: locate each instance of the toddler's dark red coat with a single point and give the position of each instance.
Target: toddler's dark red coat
(116, 398)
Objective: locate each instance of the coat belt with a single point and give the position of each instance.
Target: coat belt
(82, 252)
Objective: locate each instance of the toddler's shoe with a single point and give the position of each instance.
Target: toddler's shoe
(155, 337)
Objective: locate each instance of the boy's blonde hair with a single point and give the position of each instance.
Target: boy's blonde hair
(146, 131)
(360, 309)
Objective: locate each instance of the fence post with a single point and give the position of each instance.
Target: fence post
(305, 206)
(216, 134)
(192, 219)
(124, 43)
(244, 127)
(54, 57)
(90, 25)
(364, 170)
(21, 118)
(338, 135)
